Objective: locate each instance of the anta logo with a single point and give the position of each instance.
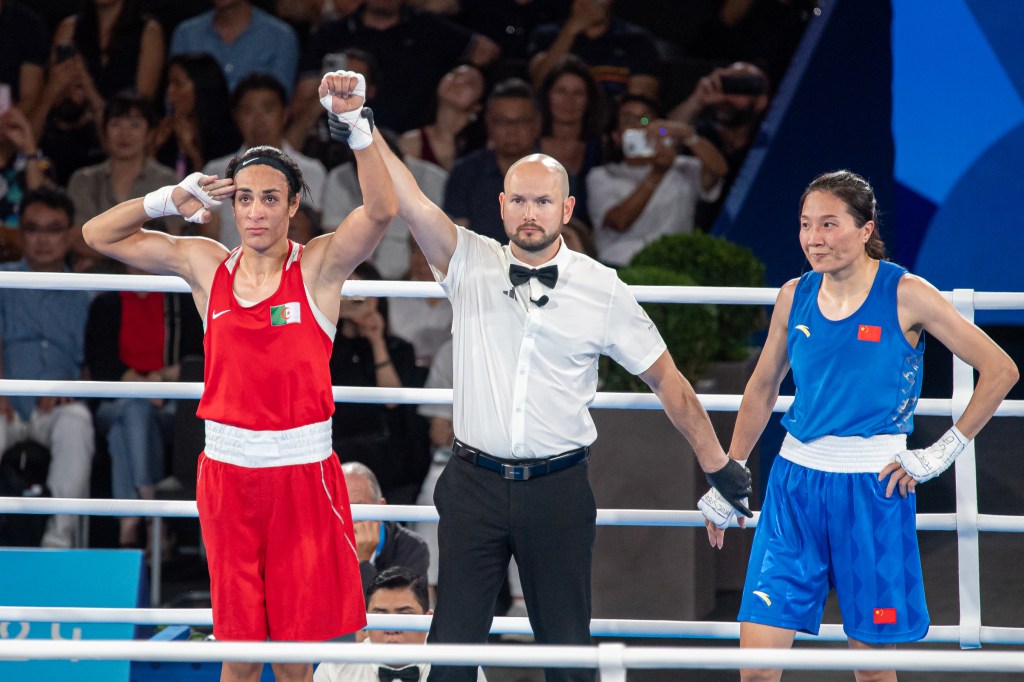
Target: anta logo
(764, 597)
(804, 329)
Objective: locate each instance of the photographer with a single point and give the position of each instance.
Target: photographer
(652, 189)
(726, 107)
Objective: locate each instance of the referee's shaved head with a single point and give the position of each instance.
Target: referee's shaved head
(541, 161)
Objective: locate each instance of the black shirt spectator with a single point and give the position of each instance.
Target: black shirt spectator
(621, 53)
(412, 55)
(24, 51)
(510, 23)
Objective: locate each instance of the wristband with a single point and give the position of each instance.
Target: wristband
(158, 203)
(355, 137)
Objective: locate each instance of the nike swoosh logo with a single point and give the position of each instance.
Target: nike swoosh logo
(219, 313)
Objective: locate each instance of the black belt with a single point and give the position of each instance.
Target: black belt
(524, 469)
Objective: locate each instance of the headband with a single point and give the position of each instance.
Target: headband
(293, 182)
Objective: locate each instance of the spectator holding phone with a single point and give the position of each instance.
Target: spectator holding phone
(23, 57)
(726, 108)
(117, 44)
(651, 188)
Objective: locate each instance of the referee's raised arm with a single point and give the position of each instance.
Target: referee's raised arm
(431, 227)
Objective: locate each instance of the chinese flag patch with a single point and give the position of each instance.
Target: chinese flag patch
(868, 332)
(885, 616)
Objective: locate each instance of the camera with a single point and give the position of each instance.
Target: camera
(65, 51)
(635, 144)
(746, 84)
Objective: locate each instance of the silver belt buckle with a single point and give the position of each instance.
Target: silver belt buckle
(513, 473)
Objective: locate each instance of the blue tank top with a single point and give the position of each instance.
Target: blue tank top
(857, 376)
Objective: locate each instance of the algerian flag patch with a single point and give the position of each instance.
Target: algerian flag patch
(289, 313)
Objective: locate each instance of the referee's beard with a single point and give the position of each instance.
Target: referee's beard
(537, 244)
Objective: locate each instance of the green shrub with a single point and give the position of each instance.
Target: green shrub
(688, 330)
(711, 261)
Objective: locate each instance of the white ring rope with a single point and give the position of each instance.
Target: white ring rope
(983, 300)
(517, 656)
(427, 514)
(599, 627)
(178, 390)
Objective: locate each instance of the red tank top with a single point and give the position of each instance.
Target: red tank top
(268, 366)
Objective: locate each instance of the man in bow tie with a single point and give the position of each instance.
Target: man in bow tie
(394, 590)
(531, 320)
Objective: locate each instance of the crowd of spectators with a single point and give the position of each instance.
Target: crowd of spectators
(105, 100)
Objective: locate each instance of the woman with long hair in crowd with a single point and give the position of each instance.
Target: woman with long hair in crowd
(460, 95)
(198, 125)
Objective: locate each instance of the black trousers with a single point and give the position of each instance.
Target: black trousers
(547, 523)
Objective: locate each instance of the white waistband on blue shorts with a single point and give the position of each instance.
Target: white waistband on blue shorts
(845, 454)
(258, 449)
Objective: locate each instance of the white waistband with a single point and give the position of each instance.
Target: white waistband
(845, 454)
(257, 449)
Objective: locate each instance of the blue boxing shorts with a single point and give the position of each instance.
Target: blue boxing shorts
(821, 530)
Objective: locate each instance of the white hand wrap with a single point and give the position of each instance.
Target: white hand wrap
(159, 203)
(362, 133)
(924, 465)
(717, 509)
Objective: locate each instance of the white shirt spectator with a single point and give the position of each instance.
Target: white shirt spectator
(535, 368)
(341, 195)
(313, 174)
(670, 210)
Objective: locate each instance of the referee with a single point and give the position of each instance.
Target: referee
(531, 320)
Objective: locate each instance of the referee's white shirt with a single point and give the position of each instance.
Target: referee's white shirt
(525, 375)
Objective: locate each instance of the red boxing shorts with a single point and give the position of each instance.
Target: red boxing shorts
(281, 550)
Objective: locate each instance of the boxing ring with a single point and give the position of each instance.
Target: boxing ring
(611, 659)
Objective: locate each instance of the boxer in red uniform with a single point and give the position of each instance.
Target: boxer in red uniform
(272, 498)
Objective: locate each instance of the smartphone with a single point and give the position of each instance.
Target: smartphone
(635, 144)
(335, 61)
(65, 51)
(743, 84)
(5, 97)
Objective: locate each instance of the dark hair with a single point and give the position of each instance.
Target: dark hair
(275, 158)
(372, 65)
(514, 88)
(400, 578)
(627, 97)
(258, 80)
(859, 197)
(51, 198)
(593, 116)
(124, 34)
(218, 135)
(613, 151)
(127, 102)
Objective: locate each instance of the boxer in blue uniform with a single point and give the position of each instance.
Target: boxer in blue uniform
(852, 330)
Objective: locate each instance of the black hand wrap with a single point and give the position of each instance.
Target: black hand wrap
(340, 131)
(734, 484)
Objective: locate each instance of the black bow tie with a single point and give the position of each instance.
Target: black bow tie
(407, 674)
(546, 276)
